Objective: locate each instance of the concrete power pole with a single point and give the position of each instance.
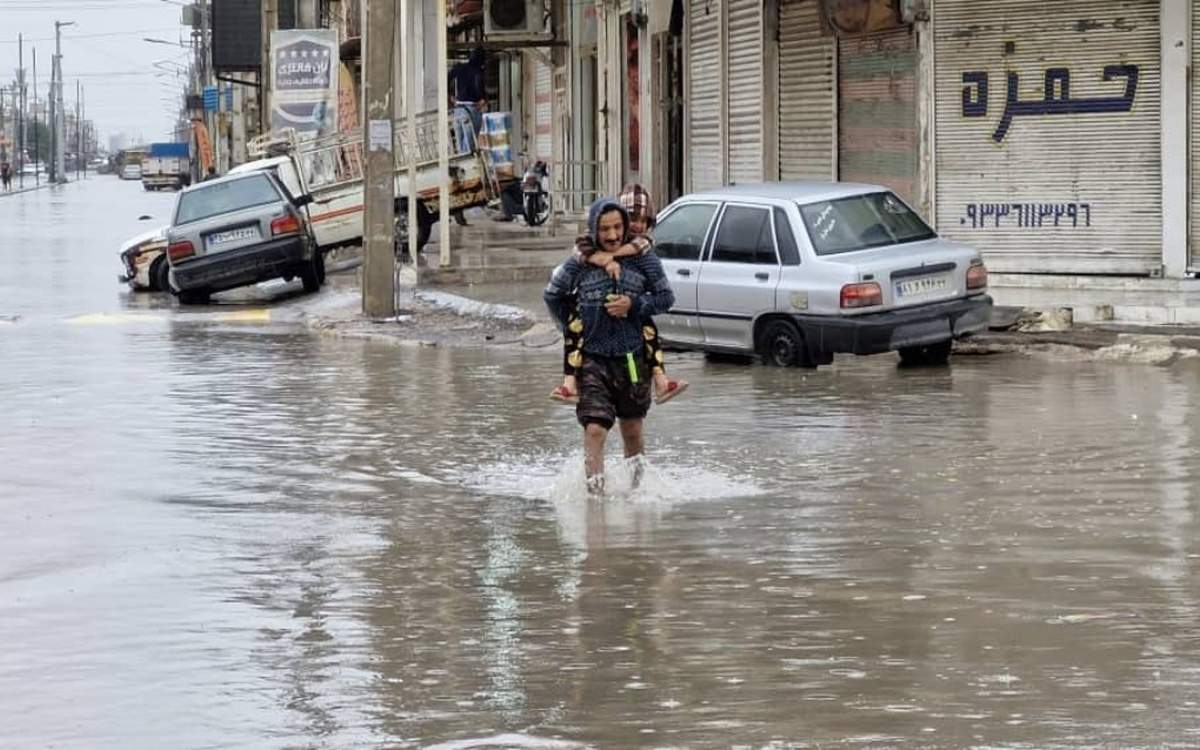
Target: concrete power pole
(379, 283)
(79, 165)
(37, 177)
(20, 160)
(58, 128)
(270, 21)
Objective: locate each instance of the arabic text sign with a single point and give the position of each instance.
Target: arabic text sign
(1026, 215)
(304, 80)
(1056, 96)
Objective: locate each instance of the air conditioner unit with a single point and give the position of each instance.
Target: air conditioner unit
(515, 19)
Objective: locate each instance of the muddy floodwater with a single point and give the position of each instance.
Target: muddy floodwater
(218, 532)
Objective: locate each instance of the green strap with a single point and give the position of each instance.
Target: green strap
(632, 364)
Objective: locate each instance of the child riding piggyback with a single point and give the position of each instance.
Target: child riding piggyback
(638, 203)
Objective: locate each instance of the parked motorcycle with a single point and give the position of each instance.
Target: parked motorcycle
(535, 188)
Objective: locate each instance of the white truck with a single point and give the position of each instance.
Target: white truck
(330, 169)
(167, 166)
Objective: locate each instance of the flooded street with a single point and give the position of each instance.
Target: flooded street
(217, 532)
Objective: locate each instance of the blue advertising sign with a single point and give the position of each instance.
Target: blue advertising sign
(210, 99)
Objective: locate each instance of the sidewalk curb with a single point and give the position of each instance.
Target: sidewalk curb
(22, 191)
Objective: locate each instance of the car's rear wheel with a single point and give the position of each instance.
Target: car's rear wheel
(312, 275)
(927, 355)
(781, 345)
(160, 275)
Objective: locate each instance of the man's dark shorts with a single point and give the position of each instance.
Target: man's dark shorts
(606, 393)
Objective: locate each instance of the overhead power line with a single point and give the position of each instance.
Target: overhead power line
(92, 36)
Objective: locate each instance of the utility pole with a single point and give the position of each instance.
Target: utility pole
(78, 130)
(83, 137)
(53, 120)
(3, 146)
(60, 118)
(21, 111)
(270, 20)
(443, 140)
(379, 185)
(206, 79)
(37, 178)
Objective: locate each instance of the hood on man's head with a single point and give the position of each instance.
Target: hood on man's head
(598, 209)
(476, 57)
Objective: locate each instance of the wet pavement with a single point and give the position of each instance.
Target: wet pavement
(222, 532)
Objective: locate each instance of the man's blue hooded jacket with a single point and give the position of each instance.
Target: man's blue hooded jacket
(642, 278)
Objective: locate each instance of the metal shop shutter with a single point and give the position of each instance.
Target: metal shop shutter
(543, 111)
(1070, 180)
(745, 100)
(704, 94)
(877, 111)
(807, 103)
(1194, 232)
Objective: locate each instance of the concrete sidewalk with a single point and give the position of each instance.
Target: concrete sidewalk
(27, 189)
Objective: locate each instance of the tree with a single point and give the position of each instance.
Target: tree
(41, 132)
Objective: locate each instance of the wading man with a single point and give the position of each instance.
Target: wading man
(614, 379)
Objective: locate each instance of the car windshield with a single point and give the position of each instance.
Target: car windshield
(224, 197)
(862, 221)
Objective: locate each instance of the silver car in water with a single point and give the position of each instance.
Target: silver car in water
(799, 271)
(240, 230)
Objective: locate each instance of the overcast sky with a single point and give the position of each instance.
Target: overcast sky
(104, 51)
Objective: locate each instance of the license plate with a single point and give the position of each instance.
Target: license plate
(923, 286)
(233, 235)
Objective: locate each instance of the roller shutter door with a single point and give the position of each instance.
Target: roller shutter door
(1069, 180)
(807, 103)
(745, 100)
(704, 94)
(877, 113)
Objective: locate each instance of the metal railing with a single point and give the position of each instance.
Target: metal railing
(576, 184)
(336, 159)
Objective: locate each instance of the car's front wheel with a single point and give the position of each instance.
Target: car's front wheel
(927, 355)
(781, 345)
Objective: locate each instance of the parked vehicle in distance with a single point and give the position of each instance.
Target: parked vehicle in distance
(131, 172)
(239, 230)
(168, 166)
(796, 272)
(145, 260)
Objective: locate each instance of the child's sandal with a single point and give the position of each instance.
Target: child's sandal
(565, 396)
(674, 388)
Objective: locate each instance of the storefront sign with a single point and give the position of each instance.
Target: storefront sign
(1056, 97)
(1026, 215)
(304, 81)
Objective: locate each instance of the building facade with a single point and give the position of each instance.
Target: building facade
(1058, 138)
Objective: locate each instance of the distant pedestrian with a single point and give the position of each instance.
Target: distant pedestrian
(6, 176)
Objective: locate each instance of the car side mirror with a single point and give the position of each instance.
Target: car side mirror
(303, 200)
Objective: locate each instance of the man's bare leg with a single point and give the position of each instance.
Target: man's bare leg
(632, 437)
(594, 436)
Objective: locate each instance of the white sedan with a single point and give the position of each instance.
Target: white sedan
(145, 261)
